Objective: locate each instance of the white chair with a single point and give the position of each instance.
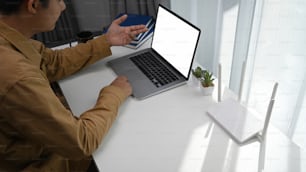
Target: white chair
(229, 112)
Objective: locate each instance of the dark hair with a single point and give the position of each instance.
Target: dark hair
(8, 7)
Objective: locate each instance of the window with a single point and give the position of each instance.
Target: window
(279, 55)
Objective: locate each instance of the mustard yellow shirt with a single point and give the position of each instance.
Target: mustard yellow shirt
(37, 133)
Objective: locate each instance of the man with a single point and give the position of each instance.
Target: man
(37, 133)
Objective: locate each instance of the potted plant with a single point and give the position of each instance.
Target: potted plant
(207, 83)
(197, 74)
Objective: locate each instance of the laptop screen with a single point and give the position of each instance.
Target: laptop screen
(175, 40)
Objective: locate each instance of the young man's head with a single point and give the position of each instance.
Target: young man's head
(31, 16)
(8, 7)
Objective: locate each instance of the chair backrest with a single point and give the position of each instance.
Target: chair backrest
(228, 93)
(269, 111)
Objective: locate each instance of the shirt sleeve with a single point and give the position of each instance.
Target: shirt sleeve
(39, 116)
(61, 63)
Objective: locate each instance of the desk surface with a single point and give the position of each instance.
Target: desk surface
(171, 132)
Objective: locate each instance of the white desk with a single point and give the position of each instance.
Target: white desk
(171, 132)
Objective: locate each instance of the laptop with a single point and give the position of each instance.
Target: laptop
(167, 63)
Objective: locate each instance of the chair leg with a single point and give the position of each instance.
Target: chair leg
(262, 156)
(211, 124)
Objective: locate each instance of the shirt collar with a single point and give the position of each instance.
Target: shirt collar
(21, 43)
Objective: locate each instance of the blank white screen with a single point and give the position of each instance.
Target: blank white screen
(175, 40)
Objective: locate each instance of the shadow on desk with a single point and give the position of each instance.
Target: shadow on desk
(169, 139)
(222, 153)
(225, 155)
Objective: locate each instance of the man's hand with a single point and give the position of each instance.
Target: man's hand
(123, 83)
(118, 35)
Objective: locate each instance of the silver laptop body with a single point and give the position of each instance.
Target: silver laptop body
(173, 47)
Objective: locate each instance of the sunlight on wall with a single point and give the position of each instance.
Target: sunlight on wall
(227, 42)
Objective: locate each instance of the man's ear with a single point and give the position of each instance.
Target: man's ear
(32, 6)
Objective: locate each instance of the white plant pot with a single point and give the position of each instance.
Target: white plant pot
(207, 91)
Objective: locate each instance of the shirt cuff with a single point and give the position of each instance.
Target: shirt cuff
(114, 92)
(102, 45)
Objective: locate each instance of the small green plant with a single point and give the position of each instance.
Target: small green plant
(197, 72)
(207, 79)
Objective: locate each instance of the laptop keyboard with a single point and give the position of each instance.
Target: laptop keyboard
(154, 69)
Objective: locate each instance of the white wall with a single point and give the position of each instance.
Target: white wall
(208, 15)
